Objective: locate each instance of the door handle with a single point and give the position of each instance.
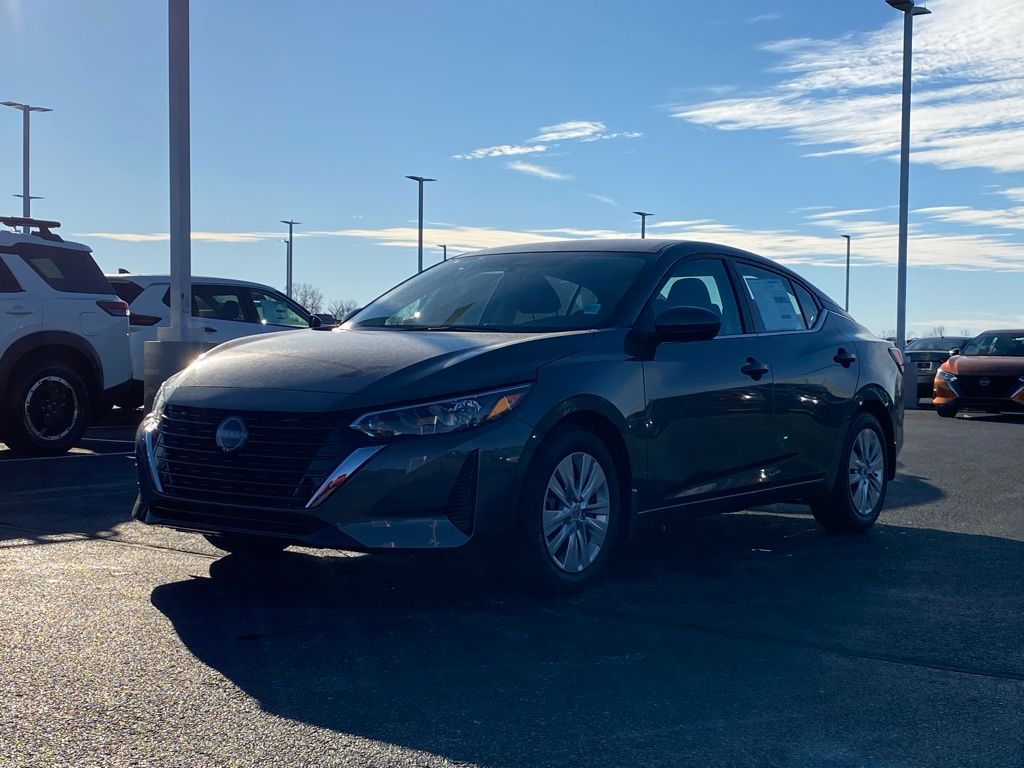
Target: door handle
(754, 369)
(208, 329)
(844, 358)
(18, 311)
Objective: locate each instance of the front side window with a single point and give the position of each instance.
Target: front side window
(773, 298)
(508, 292)
(1008, 344)
(64, 269)
(274, 309)
(701, 283)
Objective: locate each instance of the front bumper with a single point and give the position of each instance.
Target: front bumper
(436, 492)
(948, 394)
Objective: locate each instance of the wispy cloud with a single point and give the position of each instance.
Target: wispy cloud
(603, 199)
(761, 17)
(571, 129)
(537, 170)
(502, 150)
(205, 237)
(842, 95)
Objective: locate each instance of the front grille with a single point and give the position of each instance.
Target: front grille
(998, 386)
(286, 458)
(202, 518)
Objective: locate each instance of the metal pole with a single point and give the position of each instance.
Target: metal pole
(181, 218)
(909, 374)
(26, 198)
(288, 278)
(419, 267)
(847, 305)
(643, 227)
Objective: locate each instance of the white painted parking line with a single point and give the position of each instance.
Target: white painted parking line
(107, 440)
(65, 456)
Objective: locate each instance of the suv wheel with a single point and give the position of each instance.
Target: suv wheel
(571, 513)
(858, 494)
(46, 408)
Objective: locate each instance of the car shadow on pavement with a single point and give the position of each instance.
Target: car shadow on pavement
(741, 639)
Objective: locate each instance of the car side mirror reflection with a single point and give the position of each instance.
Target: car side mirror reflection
(322, 320)
(954, 351)
(687, 324)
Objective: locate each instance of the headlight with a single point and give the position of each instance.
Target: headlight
(946, 376)
(442, 416)
(165, 391)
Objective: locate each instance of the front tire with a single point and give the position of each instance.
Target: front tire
(47, 408)
(946, 411)
(246, 545)
(571, 513)
(858, 493)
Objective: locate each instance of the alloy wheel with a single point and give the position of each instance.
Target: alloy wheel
(51, 408)
(867, 471)
(576, 512)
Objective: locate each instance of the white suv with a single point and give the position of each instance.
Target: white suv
(63, 339)
(222, 309)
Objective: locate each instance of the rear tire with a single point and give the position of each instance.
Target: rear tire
(946, 411)
(246, 545)
(858, 493)
(571, 514)
(46, 409)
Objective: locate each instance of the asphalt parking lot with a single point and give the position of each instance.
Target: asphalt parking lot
(747, 639)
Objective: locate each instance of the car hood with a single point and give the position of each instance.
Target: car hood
(359, 368)
(985, 365)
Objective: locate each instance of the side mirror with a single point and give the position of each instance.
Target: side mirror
(954, 351)
(322, 320)
(687, 324)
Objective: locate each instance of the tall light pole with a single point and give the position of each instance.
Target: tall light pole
(26, 111)
(445, 247)
(847, 305)
(288, 270)
(909, 10)
(420, 180)
(643, 222)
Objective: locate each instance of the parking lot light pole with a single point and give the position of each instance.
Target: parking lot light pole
(847, 305)
(643, 222)
(909, 10)
(26, 197)
(288, 265)
(420, 180)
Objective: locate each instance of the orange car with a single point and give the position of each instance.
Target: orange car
(986, 375)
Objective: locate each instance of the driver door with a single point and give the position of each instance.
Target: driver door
(709, 403)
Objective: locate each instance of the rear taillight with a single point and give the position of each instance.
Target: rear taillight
(134, 319)
(897, 357)
(116, 308)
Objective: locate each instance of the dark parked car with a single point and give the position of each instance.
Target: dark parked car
(539, 402)
(925, 355)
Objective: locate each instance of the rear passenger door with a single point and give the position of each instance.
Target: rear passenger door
(223, 312)
(815, 368)
(20, 313)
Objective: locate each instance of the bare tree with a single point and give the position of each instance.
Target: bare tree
(309, 296)
(939, 330)
(341, 307)
(965, 332)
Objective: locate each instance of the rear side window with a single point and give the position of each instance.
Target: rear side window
(8, 282)
(65, 270)
(126, 290)
(773, 298)
(807, 305)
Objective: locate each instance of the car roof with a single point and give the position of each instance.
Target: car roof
(151, 279)
(10, 238)
(1003, 330)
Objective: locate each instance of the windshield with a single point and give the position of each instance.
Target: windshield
(938, 344)
(525, 292)
(999, 344)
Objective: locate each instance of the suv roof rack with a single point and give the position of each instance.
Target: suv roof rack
(42, 225)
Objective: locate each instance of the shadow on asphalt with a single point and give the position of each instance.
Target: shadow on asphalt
(727, 639)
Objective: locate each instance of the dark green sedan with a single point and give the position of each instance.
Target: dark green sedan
(538, 403)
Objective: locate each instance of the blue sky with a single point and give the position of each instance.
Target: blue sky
(760, 125)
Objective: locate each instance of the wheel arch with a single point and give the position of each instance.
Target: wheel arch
(600, 417)
(877, 402)
(58, 343)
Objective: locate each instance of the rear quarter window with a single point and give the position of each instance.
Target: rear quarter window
(65, 270)
(8, 282)
(126, 290)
